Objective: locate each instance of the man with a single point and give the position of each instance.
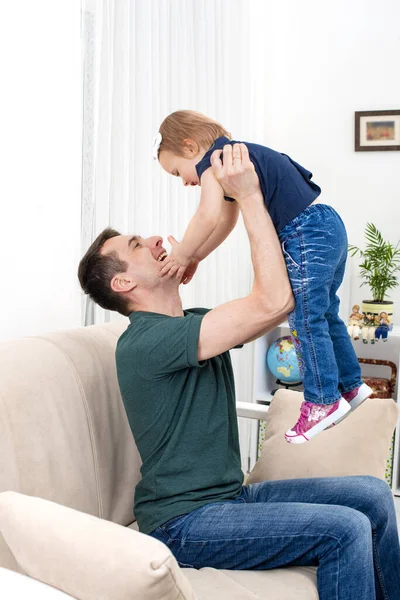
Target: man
(177, 385)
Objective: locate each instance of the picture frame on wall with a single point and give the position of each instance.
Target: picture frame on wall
(377, 130)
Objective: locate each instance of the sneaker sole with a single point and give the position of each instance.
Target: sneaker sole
(364, 393)
(342, 410)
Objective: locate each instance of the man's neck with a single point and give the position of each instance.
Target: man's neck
(162, 302)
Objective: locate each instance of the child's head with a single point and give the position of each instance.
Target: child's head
(186, 137)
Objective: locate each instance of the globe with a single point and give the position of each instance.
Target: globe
(282, 360)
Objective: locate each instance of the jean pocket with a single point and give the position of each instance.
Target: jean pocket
(288, 258)
(294, 271)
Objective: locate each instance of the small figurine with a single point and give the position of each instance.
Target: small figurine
(368, 328)
(355, 319)
(382, 330)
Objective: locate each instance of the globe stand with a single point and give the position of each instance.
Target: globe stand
(287, 386)
(279, 382)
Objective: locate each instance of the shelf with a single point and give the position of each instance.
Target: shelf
(264, 382)
(395, 332)
(263, 396)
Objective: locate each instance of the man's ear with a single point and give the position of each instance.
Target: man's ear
(190, 148)
(122, 283)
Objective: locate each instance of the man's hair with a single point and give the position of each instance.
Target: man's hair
(188, 124)
(96, 271)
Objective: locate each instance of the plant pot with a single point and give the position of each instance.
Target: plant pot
(375, 307)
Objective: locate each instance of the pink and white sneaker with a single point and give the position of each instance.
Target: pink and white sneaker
(356, 397)
(314, 418)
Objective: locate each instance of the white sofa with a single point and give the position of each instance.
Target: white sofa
(68, 471)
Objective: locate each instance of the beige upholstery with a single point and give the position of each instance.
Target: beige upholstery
(63, 427)
(87, 557)
(64, 437)
(292, 583)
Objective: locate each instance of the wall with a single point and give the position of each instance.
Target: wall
(40, 124)
(326, 61)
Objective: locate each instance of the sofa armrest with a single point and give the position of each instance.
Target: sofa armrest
(251, 410)
(87, 557)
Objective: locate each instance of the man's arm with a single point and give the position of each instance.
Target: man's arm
(271, 296)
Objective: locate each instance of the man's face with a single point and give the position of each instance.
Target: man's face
(142, 255)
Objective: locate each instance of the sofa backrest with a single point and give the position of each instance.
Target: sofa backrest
(64, 434)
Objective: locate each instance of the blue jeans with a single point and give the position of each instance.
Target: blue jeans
(314, 245)
(344, 525)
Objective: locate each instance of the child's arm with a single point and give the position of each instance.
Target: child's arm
(201, 227)
(227, 222)
(229, 216)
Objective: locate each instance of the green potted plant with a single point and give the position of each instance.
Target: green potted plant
(379, 270)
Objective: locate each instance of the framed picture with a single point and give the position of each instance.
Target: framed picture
(377, 130)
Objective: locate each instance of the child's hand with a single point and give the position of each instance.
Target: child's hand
(190, 271)
(176, 263)
(172, 266)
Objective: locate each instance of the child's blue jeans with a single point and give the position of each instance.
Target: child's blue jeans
(314, 245)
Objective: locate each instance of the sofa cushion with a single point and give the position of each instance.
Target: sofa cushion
(87, 557)
(359, 445)
(290, 583)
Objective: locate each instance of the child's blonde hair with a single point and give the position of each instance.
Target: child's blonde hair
(188, 124)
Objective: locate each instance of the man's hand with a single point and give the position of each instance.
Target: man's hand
(237, 174)
(176, 263)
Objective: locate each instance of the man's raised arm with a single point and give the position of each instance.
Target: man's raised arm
(271, 296)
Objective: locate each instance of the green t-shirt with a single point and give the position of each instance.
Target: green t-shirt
(182, 414)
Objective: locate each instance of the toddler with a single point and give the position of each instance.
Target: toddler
(314, 244)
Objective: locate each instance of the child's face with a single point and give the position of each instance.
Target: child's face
(180, 166)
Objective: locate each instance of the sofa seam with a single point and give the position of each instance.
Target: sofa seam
(233, 580)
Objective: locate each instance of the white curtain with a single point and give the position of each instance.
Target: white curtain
(142, 60)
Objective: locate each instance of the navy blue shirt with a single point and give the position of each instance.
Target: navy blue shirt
(286, 186)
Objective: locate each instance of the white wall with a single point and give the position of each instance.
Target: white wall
(40, 158)
(326, 61)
